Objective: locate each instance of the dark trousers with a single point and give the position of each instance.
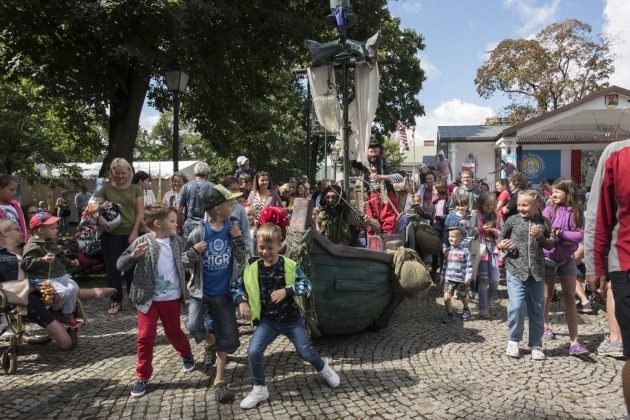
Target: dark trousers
(113, 246)
(620, 281)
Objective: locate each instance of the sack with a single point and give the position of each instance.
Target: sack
(412, 275)
(428, 241)
(16, 291)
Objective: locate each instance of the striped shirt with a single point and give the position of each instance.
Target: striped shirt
(607, 229)
(457, 264)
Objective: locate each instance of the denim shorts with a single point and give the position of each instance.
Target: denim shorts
(224, 318)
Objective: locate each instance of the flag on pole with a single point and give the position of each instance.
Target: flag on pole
(402, 131)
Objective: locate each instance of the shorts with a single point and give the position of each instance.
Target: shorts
(620, 281)
(459, 289)
(224, 318)
(37, 312)
(566, 268)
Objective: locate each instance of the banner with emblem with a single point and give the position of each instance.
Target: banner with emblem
(541, 164)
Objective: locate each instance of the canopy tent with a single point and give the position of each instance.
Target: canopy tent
(157, 169)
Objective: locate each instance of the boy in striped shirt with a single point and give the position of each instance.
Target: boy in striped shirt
(456, 272)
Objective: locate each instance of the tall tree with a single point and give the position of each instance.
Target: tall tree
(563, 63)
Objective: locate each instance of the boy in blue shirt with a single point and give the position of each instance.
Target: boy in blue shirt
(266, 294)
(221, 249)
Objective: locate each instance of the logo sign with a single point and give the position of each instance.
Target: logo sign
(541, 164)
(611, 101)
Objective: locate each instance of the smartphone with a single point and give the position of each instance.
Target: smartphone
(234, 222)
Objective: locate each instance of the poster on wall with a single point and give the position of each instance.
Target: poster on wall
(589, 165)
(541, 164)
(509, 165)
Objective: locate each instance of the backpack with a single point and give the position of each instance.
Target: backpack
(412, 275)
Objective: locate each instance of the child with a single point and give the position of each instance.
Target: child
(267, 294)
(567, 227)
(251, 219)
(524, 236)
(157, 289)
(213, 271)
(460, 217)
(43, 259)
(485, 253)
(456, 273)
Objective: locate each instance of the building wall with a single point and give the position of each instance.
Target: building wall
(484, 152)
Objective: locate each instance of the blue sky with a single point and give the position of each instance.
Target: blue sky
(458, 32)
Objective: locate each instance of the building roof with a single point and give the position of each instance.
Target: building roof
(470, 133)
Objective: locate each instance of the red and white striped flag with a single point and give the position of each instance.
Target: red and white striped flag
(402, 131)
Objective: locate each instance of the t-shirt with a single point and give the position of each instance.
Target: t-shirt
(149, 198)
(167, 280)
(270, 279)
(191, 197)
(126, 199)
(10, 213)
(217, 261)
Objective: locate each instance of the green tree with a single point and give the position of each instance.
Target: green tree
(563, 63)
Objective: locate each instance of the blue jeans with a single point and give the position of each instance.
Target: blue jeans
(199, 319)
(487, 281)
(525, 295)
(267, 331)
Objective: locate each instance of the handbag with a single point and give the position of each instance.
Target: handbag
(16, 291)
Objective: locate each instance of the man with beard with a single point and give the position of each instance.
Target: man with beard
(381, 202)
(338, 222)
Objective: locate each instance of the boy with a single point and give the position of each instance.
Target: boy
(157, 289)
(43, 259)
(456, 272)
(215, 265)
(266, 294)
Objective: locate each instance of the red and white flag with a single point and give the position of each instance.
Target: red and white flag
(402, 131)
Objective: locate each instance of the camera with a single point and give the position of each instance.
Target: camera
(511, 253)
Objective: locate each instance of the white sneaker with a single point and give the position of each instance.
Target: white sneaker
(537, 353)
(256, 396)
(512, 349)
(332, 379)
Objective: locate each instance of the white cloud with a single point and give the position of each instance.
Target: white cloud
(452, 112)
(532, 17)
(485, 54)
(412, 7)
(616, 18)
(148, 118)
(430, 70)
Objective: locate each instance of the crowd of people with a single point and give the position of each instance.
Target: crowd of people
(195, 243)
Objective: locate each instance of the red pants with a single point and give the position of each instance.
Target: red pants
(168, 312)
(386, 214)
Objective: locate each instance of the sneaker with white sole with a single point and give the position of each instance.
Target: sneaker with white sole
(512, 349)
(610, 348)
(332, 379)
(139, 388)
(255, 397)
(537, 353)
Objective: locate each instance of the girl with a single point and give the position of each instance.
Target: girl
(567, 227)
(177, 182)
(503, 196)
(523, 237)
(114, 242)
(9, 207)
(516, 182)
(263, 194)
(486, 255)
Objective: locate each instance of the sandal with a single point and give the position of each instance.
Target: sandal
(114, 308)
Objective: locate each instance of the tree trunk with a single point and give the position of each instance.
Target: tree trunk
(124, 114)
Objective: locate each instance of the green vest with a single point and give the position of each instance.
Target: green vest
(252, 286)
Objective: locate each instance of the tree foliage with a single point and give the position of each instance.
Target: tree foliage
(561, 64)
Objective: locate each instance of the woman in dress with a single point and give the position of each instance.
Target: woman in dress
(263, 194)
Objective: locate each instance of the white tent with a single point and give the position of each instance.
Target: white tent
(157, 169)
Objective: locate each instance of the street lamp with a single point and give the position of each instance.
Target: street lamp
(334, 155)
(176, 81)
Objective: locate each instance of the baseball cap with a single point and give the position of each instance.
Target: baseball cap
(241, 160)
(460, 229)
(43, 219)
(216, 195)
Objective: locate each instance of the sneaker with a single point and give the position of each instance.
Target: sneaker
(188, 363)
(448, 319)
(537, 353)
(512, 349)
(209, 356)
(610, 349)
(548, 334)
(332, 379)
(578, 349)
(71, 321)
(585, 308)
(255, 397)
(466, 314)
(222, 394)
(139, 388)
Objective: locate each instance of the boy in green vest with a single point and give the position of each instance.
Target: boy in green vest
(267, 294)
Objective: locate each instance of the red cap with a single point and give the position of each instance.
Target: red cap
(42, 218)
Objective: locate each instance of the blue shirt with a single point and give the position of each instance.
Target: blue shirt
(218, 261)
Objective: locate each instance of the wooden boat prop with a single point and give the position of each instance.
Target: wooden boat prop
(353, 288)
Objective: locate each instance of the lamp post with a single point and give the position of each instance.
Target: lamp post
(176, 81)
(334, 155)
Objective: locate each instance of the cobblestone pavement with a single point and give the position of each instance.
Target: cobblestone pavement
(416, 368)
